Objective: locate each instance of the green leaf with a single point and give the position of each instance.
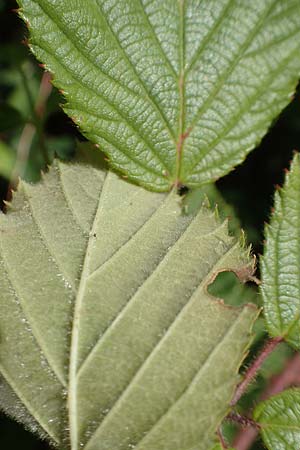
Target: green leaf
(109, 337)
(280, 264)
(279, 418)
(174, 92)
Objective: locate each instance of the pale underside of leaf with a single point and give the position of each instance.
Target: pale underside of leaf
(13, 407)
(174, 92)
(281, 261)
(105, 316)
(279, 418)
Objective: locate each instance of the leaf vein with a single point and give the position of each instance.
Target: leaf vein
(211, 32)
(34, 335)
(26, 404)
(232, 66)
(232, 123)
(193, 381)
(139, 79)
(157, 40)
(111, 141)
(44, 242)
(85, 85)
(161, 341)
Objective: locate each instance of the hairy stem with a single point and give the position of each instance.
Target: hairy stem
(254, 368)
(244, 421)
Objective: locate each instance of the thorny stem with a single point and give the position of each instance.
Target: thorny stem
(290, 376)
(254, 368)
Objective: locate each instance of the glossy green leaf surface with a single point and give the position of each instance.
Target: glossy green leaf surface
(279, 418)
(108, 336)
(174, 91)
(280, 264)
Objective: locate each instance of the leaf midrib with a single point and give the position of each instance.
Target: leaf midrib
(72, 390)
(181, 87)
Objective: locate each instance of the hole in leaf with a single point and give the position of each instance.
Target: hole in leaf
(228, 287)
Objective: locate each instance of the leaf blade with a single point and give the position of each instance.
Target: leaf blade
(141, 307)
(174, 93)
(279, 419)
(280, 264)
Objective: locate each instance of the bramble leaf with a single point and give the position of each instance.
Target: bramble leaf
(280, 265)
(108, 336)
(174, 92)
(279, 418)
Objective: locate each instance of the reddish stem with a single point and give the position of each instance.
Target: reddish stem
(244, 421)
(254, 368)
(290, 376)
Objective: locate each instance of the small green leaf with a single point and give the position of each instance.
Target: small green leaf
(108, 335)
(280, 265)
(174, 92)
(279, 418)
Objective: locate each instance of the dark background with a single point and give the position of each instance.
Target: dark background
(249, 188)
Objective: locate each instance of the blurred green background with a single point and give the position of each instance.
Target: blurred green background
(33, 129)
